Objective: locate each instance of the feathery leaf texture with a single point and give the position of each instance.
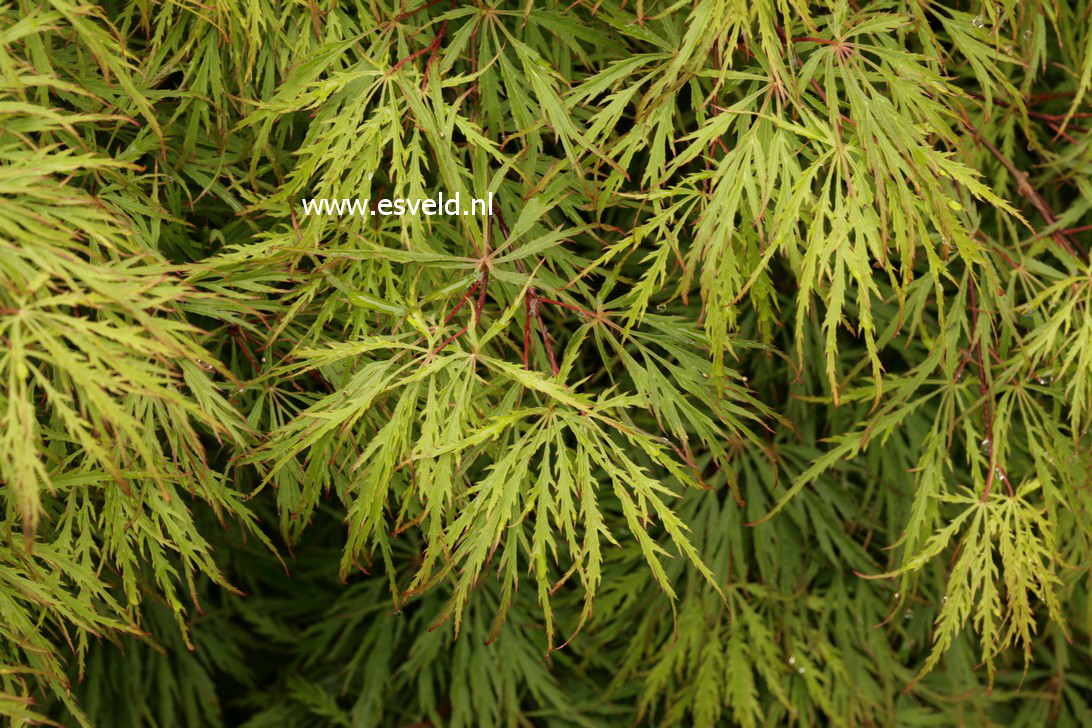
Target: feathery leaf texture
(764, 396)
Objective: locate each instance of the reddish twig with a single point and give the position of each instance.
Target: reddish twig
(466, 296)
(481, 285)
(994, 468)
(569, 306)
(419, 8)
(435, 47)
(526, 332)
(823, 41)
(533, 309)
(1026, 189)
(235, 334)
(481, 295)
(1059, 131)
(430, 48)
(536, 310)
(451, 338)
(963, 364)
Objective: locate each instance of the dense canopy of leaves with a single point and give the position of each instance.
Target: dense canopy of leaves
(763, 398)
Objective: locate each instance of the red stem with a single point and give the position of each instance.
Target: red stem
(994, 468)
(526, 333)
(419, 8)
(809, 39)
(430, 48)
(466, 296)
(545, 337)
(480, 286)
(1026, 190)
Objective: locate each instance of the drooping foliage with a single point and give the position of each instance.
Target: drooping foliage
(762, 398)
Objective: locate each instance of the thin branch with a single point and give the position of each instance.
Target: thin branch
(430, 48)
(987, 396)
(419, 8)
(1027, 190)
(537, 310)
